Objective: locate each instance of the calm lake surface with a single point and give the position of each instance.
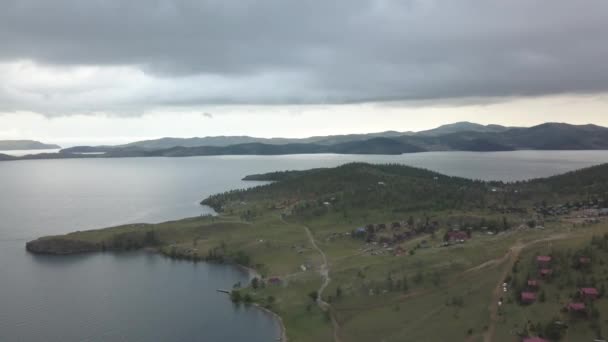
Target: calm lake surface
(145, 297)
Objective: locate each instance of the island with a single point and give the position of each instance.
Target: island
(19, 145)
(365, 252)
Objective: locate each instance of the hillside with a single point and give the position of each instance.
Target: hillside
(8, 145)
(456, 137)
(464, 126)
(4, 157)
(223, 141)
(365, 252)
(165, 143)
(371, 146)
(364, 186)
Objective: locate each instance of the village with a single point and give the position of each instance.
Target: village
(566, 278)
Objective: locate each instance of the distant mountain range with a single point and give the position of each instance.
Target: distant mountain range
(224, 141)
(14, 145)
(464, 126)
(461, 136)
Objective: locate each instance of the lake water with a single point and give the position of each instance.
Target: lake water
(145, 297)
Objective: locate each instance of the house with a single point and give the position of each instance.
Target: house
(528, 297)
(533, 283)
(583, 261)
(577, 307)
(589, 293)
(543, 260)
(545, 272)
(274, 281)
(457, 235)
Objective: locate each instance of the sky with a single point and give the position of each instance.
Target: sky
(113, 71)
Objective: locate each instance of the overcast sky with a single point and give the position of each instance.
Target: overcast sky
(110, 71)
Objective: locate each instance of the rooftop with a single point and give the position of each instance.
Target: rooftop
(577, 306)
(589, 291)
(543, 258)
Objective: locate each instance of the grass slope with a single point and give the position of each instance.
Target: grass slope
(409, 289)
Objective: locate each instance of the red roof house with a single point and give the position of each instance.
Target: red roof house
(545, 272)
(584, 260)
(577, 307)
(589, 292)
(533, 283)
(528, 297)
(457, 235)
(275, 281)
(543, 260)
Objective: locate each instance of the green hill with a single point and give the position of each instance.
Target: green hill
(8, 145)
(365, 252)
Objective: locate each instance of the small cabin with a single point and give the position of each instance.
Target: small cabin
(584, 260)
(543, 260)
(528, 297)
(577, 307)
(274, 281)
(589, 293)
(545, 272)
(457, 235)
(533, 283)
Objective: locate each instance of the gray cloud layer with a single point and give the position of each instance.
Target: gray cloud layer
(294, 51)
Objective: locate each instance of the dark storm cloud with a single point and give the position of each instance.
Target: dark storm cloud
(294, 51)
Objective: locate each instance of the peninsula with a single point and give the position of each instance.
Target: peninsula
(367, 252)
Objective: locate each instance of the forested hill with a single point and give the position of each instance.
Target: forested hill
(587, 183)
(455, 137)
(371, 146)
(6, 157)
(8, 145)
(402, 188)
(360, 185)
(462, 136)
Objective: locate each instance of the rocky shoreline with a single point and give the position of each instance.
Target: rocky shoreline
(61, 246)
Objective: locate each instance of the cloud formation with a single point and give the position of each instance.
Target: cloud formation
(117, 56)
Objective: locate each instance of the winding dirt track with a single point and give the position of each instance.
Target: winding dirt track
(324, 272)
(512, 255)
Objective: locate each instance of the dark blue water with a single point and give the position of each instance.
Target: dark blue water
(145, 297)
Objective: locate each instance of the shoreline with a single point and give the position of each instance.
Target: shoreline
(282, 330)
(275, 316)
(251, 272)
